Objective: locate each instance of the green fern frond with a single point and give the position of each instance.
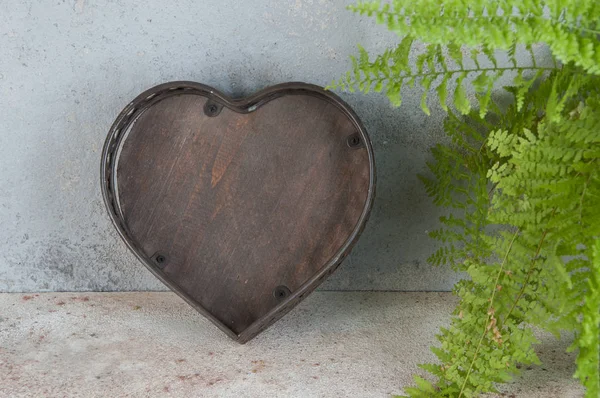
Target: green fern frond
(392, 70)
(521, 184)
(588, 357)
(544, 185)
(570, 32)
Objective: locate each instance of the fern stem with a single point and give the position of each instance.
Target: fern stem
(582, 196)
(491, 191)
(494, 290)
(530, 271)
(590, 30)
(466, 71)
(495, 18)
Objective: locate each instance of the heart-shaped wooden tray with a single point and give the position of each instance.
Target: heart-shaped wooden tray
(240, 206)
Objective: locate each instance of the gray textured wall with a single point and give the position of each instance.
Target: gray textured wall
(68, 67)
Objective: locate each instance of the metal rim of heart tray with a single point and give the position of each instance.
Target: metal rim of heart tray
(182, 150)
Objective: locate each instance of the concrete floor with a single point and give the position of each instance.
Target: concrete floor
(334, 344)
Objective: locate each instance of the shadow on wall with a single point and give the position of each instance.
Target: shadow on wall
(393, 250)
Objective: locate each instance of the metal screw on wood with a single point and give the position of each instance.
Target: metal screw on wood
(354, 141)
(211, 109)
(281, 292)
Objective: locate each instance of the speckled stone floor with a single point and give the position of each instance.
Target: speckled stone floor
(334, 344)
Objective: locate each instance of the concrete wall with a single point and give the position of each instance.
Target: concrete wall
(68, 67)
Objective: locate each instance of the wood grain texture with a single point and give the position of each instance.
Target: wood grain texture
(241, 204)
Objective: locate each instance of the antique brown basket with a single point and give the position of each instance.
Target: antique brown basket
(240, 206)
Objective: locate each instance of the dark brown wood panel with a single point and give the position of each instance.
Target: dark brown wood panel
(242, 206)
